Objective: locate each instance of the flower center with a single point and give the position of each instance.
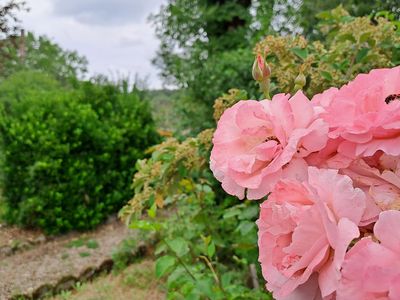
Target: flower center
(289, 260)
(272, 138)
(392, 97)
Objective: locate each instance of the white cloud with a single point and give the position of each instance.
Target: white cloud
(122, 46)
(105, 12)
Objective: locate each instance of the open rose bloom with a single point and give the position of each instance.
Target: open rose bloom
(365, 113)
(305, 228)
(371, 269)
(256, 141)
(330, 169)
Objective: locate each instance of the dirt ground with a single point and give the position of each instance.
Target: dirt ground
(33, 265)
(13, 239)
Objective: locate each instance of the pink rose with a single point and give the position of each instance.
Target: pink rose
(365, 113)
(328, 157)
(255, 141)
(371, 270)
(379, 177)
(304, 231)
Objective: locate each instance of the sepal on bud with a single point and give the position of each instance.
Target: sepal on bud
(261, 73)
(261, 69)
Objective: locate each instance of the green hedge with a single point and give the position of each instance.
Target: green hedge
(68, 156)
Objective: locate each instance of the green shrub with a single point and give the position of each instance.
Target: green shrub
(68, 155)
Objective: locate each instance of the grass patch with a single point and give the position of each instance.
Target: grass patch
(84, 254)
(81, 242)
(136, 282)
(76, 243)
(92, 244)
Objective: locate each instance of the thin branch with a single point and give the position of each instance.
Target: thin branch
(254, 277)
(208, 263)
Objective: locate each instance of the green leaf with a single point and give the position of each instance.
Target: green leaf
(361, 54)
(207, 189)
(364, 37)
(211, 250)
(245, 227)
(166, 156)
(145, 225)
(324, 15)
(226, 279)
(326, 75)
(164, 265)
(177, 278)
(302, 53)
(249, 212)
(152, 211)
(160, 248)
(206, 239)
(372, 42)
(179, 246)
(347, 37)
(205, 287)
(231, 213)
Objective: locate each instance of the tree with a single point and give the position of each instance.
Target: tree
(9, 22)
(41, 54)
(19, 52)
(206, 47)
(193, 32)
(9, 28)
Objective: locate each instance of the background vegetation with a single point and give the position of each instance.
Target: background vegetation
(207, 45)
(69, 153)
(207, 240)
(70, 146)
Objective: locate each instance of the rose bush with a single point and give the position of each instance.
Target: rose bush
(314, 229)
(207, 245)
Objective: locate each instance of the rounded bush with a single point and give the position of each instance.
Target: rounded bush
(68, 155)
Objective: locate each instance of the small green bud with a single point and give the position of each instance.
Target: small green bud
(300, 81)
(261, 70)
(261, 73)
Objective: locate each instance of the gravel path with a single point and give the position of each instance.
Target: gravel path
(57, 264)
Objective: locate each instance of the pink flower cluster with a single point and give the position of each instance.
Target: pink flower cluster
(330, 228)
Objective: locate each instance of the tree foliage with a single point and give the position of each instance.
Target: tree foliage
(41, 54)
(205, 44)
(196, 34)
(200, 36)
(9, 22)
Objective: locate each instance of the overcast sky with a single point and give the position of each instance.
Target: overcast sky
(114, 35)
